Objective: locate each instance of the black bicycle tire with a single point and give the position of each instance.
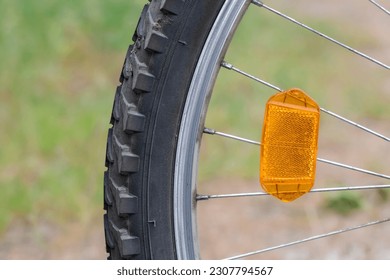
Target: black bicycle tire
(141, 145)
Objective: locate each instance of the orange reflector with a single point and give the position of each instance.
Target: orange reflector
(289, 144)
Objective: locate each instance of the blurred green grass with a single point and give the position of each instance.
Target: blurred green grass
(59, 63)
(288, 56)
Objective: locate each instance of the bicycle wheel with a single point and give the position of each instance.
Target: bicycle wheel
(158, 121)
(145, 217)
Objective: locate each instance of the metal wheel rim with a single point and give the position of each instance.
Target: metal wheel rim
(191, 127)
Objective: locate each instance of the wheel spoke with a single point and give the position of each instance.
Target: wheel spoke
(309, 239)
(353, 168)
(230, 136)
(237, 70)
(260, 4)
(317, 190)
(380, 7)
(334, 163)
(209, 131)
(370, 131)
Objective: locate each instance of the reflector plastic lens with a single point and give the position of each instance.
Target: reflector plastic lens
(289, 144)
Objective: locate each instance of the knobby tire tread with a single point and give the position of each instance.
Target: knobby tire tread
(138, 220)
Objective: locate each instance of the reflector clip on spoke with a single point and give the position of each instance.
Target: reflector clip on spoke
(289, 144)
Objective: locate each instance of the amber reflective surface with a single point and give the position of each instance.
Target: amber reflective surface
(289, 144)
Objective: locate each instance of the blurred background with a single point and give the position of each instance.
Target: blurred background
(59, 67)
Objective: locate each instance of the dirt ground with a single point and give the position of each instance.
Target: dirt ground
(48, 241)
(267, 222)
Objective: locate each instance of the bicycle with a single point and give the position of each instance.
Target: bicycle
(158, 124)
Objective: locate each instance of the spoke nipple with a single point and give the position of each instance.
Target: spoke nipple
(202, 197)
(227, 65)
(209, 131)
(258, 3)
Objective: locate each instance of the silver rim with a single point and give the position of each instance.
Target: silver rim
(192, 129)
(192, 126)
